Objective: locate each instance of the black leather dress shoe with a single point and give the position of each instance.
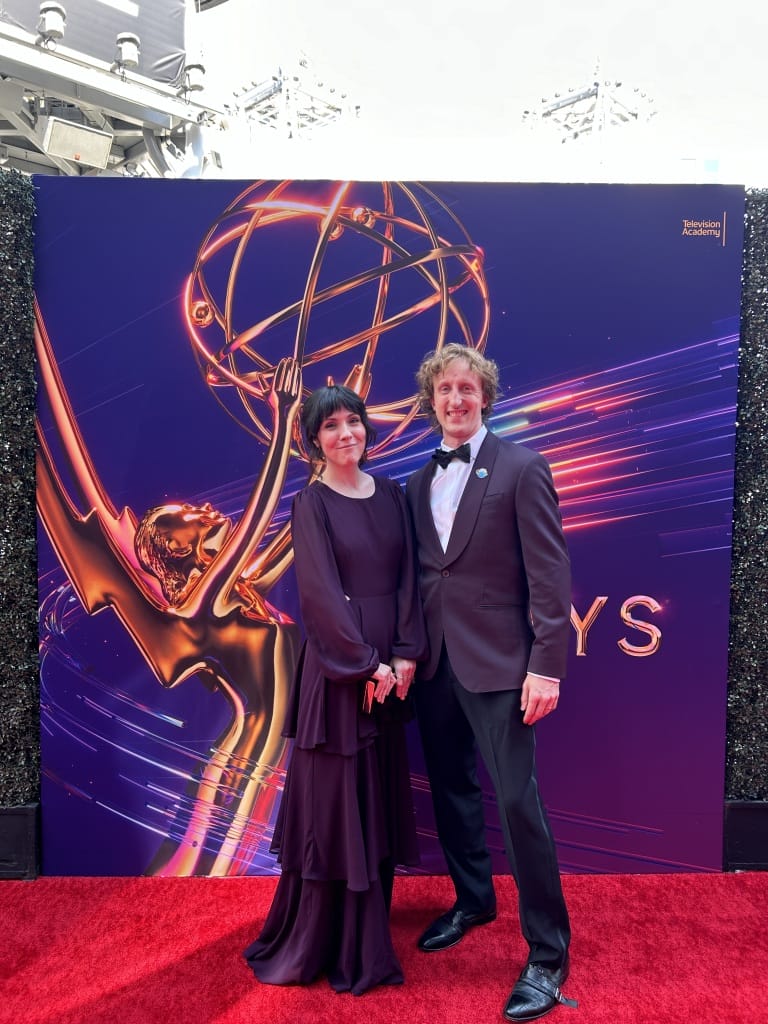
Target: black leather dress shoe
(451, 928)
(536, 992)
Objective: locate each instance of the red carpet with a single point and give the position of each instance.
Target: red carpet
(647, 949)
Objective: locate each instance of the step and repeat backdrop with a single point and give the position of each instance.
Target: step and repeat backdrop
(162, 310)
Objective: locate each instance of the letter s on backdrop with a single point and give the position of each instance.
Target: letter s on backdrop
(648, 628)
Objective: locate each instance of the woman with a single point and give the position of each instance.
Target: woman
(346, 816)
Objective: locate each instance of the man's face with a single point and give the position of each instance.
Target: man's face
(458, 402)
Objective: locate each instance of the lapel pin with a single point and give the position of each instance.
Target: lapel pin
(482, 473)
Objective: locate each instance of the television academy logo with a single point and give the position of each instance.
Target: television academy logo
(705, 228)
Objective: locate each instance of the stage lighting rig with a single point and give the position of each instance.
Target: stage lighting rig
(591, 108)
(79, 95)
(293, 102)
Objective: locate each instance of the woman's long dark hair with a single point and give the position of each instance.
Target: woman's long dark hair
(324, 402)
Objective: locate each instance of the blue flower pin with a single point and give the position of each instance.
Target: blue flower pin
(482, 473)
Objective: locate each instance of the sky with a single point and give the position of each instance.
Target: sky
(448, 81)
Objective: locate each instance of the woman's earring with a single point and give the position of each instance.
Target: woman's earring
(318, 459)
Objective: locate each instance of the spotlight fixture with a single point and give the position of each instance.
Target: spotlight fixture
(194, 77)
(53, 18)
(128, 50)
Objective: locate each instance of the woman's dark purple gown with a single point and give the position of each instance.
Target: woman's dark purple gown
(346, 816)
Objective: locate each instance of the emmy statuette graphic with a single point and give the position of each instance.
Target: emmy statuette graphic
(373, 268)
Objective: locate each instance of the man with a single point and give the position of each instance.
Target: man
(495, 581)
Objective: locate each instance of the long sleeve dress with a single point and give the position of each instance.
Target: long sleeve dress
(346, 815)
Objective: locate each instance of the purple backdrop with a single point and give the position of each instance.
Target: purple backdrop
(614, 320)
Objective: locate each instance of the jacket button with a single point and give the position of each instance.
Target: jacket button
(445, 572)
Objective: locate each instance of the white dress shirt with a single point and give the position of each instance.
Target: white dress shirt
(448, 486)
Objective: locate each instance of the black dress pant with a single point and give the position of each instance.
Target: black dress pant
(454, 725)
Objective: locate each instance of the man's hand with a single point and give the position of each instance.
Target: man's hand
(539, 697)
(403, 670)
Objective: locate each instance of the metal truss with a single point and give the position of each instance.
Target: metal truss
(142, 125)
(592, 108)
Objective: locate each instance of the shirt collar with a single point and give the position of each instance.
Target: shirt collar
(474, 442)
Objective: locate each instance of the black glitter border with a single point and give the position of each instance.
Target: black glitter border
(747, 732)
(19, 687)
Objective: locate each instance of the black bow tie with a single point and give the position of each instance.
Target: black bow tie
(443, 457)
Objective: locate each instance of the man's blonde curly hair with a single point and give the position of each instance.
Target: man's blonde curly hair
(435, 363)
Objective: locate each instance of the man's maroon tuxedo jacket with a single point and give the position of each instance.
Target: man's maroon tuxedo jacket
(500, 595)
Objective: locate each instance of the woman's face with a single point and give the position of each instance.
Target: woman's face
(341, 438)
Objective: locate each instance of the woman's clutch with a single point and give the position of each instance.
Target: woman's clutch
(368, 690)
